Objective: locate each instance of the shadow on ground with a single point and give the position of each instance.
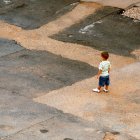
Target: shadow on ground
(31, 14)
(31, 73)
(8, 47)
(105, 30)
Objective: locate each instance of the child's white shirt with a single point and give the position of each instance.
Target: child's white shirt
(104, 66)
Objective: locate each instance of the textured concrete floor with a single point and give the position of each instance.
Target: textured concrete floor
(46, 88)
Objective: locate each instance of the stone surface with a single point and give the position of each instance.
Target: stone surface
(115, 3)
(133, 13)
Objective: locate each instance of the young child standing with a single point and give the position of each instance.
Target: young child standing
(103, 73)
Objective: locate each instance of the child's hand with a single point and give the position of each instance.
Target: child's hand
(97, 76)
(99, 73)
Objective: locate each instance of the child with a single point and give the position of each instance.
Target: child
(103, 73)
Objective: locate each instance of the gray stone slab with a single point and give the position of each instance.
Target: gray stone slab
(8, 47)
(34, 73)
(106, 32)
(36, 13)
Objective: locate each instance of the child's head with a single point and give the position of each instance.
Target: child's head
(105, 55)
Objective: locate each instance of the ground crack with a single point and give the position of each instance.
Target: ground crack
(5, 137)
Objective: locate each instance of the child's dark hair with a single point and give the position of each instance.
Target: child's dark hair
(105, 55)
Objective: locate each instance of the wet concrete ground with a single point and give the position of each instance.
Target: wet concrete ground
(35, 13)
(113, 33)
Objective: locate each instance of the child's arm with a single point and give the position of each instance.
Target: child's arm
(99, 72)
(109, 70)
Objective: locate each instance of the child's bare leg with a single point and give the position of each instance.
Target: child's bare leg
(99, 87)
(106, 87)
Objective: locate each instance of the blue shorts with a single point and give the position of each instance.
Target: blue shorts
(104, 81)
